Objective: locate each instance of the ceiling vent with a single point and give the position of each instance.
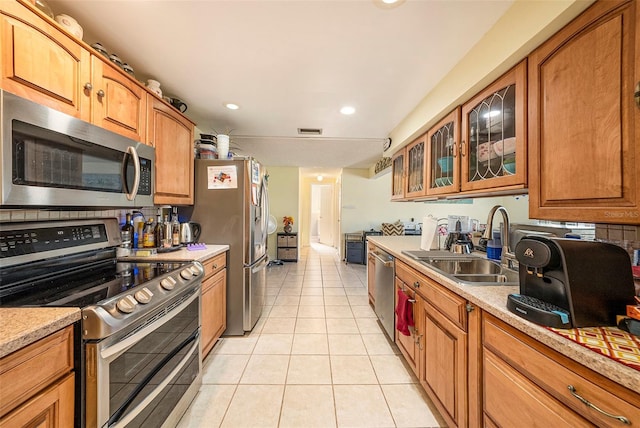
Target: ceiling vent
(309, 131)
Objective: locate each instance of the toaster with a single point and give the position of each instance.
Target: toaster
(569, 283)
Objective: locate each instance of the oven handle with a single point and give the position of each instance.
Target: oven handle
(112, 352)
(117, 420)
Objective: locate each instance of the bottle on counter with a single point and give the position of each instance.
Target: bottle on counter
(148, 235)
(168, 237)
(175, 228)
(159, 232)
(127, 232)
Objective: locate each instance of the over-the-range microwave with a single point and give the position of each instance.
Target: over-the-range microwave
(52, 160)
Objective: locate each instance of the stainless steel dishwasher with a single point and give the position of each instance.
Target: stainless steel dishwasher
(384, 290)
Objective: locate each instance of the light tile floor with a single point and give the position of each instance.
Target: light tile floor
(316, 358)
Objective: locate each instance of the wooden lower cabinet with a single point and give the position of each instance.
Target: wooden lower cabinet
(37, 383)
(51, 408)
(437, 349)
(214, 302)
(526, 382)
(443, 364)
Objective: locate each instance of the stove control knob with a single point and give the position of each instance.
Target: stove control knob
(126, 305)
(168, 283)
(143, 296)
(186, 273)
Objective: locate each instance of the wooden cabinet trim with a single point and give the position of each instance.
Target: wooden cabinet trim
(26, 371)
(214, 310)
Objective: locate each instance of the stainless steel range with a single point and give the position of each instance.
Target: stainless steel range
(139, 334)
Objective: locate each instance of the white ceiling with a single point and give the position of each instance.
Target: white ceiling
(291, 64)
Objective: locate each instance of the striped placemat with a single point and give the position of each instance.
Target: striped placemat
(608, 341)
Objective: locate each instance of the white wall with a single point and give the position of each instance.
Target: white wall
(524, 26)
(366, 204)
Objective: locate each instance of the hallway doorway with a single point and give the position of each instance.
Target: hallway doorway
(322, 215)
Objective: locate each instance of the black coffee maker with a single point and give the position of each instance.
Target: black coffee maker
(569, 283)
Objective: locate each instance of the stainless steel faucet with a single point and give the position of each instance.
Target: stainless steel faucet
(508, 258)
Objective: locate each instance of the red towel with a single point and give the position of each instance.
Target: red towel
(404, 314)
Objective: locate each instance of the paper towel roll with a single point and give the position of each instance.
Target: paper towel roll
(429, 226)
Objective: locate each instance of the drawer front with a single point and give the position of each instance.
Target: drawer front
(555, 373)
(25, 372)
(292, 241)
(450, 304)
(355, 256)
(506, 390)
(214, 264)
(287, 254)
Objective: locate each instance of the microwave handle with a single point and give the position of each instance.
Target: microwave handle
(136, 164)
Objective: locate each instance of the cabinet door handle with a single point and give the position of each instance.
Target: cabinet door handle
(636, 94)
(416, 284)
(417, 338)
(88, 86)
(101, 93)
(455, 150)
(587, 403)
(463, 146)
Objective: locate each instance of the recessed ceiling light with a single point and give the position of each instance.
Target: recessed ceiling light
(320, 178)
(347, 110)
(388, 4)
(232, 106)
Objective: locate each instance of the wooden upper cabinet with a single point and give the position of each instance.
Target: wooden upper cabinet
(443, 155)
(62, 67)
(118, 102)
(494, 134)
(398, 175)
(172, 136)
(416, 160)
(583, 121)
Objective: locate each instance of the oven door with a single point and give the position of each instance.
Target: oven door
(52, 159)
(148, 376)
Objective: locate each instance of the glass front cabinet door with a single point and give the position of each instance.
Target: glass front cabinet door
(493, 147)
(398, 175)
(443, 145)
(416, 168)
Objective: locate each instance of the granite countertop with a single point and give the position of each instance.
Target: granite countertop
(20, 327)
(493, 299)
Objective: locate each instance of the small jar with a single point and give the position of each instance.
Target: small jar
(115, 59)
(154, 86)
(128, 69)
(98, 46)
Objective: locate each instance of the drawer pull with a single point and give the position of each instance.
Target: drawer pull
(215, 266)
(587, 403)
(416, 284)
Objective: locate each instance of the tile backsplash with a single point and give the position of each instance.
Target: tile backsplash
(19, 215)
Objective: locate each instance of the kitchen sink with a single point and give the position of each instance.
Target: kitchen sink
(471, 270)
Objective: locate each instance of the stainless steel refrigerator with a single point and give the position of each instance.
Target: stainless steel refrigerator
(232, 206)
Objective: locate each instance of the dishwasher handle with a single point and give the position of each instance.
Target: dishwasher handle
(386, 263)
